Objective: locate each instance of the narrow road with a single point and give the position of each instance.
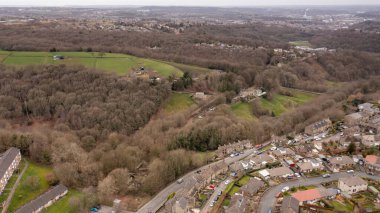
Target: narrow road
(10, 196)
(268, 199)
(155, 204)
(222, 186)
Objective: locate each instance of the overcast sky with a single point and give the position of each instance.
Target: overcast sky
(188, 2)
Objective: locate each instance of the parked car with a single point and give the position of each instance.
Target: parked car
(285, 189)
(350, 171)
(371, 173)
(94, 209)
(212, 203)
(227, 182)
(326, 175)
(179, 181)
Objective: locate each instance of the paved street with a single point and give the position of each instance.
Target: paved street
(269, 196)
(222, 186)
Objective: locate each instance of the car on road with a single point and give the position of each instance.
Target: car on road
(285, 189)
(350, 171)
(227, 182)
(94, 209)
(212, 203)
(326, 175)
(179, 181)
(371, 173)
(297, 175)
(220, 193)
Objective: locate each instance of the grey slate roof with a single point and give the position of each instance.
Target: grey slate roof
(7, 159)
(290, 205)
(42, 200)
(353, 181)
(252, 186)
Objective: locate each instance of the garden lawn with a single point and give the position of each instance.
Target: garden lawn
(24, 193)
(63, 204)
(338, 206)
(281, 103)
(178, 102)
(242, 110)
(234, 189)
(244, 180)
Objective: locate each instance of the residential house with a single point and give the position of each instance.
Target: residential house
(181, 205)
(340, 163)
(372, 125)
(305, 150)
(280, 172)
(44, 200)
(309, 165)
(200, 96)
(352, 185)
(371, 140)
(283, 152)
(313, 195)
(372, 162)
(368, 108)
(290, 205)
(355, 119)
(228, 149)
(261, 160)
(9, 162)
(252, 187)
(353, 130)
(318, 127)
(238, 204)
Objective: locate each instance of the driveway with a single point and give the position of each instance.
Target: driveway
(268, 199)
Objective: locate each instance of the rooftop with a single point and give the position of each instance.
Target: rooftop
(7, 159)
(42, 200)
(353, 181)
(280, 171)
(307, 195)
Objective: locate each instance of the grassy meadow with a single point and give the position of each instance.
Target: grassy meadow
(178, 102)
(24, 191)
(121, 64)
(281, 103)
(242, 110)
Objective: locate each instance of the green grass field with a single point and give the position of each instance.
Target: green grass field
(300, 43)
(281, 103)
(244, 180)
(178, 102)
(234, 189)
(117, 63)
(24, 193)
(242, 110)
(63, 205)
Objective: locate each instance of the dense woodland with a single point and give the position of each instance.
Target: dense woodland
(97, 131)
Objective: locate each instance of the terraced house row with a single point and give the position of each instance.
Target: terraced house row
(9, 162)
